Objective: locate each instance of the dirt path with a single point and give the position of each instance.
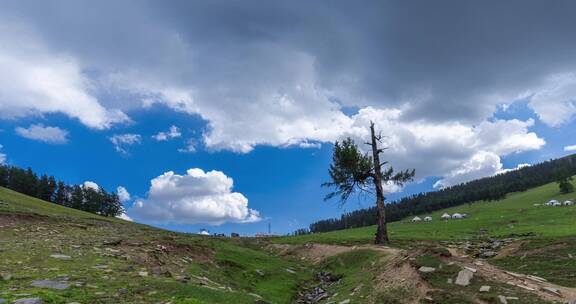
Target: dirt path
(532, 284)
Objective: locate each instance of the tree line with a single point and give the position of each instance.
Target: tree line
(484, 189)
(47, 188)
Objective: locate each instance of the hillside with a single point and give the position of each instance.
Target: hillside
(54, 254)
(106, 260)
(513, 215)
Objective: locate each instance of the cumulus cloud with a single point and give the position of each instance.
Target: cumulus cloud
(570, 148)
(2, 156)
(121, 141)
(36, 79)
(197, 197)
(53, 135)
(123, 194)
(174, 132)
(91, 185)
(125, 217)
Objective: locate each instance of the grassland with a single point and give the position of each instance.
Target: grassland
(514, 215)
(114, 261)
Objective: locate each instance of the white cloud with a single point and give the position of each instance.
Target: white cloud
(391, 187)
(91, 185)
(37, 80)
(190, 147)
(555, 100)
(2, 156)
(123, 194)
(520, 166)
(174, 132)
(194, 198)
(125, 217)
(570, 148)
(53, 135)
(120, 141)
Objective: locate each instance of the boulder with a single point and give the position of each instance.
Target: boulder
(425, 269)
(50, 284)
(502, 300)
(61, 257)
(485, 288)
(464, 277)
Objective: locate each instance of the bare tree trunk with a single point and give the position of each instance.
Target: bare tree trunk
(382, 231)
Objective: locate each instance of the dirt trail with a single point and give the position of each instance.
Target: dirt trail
(529, 283)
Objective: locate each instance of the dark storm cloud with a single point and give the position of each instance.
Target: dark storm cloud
(435, 59)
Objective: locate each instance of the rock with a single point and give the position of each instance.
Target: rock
(290, 270)
(488, 254)
(464, 277)
(425, 269)
(471, 269)
(50, 284)
(535, 278)
(552, 290)
(449, 281)
(260, 272)
(143, 273)
(347, 301)
(502, 300)
(61, 257)
(485, 288)
(28, 301)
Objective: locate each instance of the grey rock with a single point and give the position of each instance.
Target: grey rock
(464, 277)
(425, 269)
(61, 257)
(260, 272)
(552, 290)
(488, 254)
(50, 284)
(347, 301)
(502, 300)
(485, 288)
(28, 301)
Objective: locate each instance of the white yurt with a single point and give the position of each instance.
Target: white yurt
(552, 203)
(445, 216)
(204, 232)
(428, 219)
(557, 204)
(568, 203)
(416, 219)
(457, 216)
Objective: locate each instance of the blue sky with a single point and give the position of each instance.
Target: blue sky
(258, 92)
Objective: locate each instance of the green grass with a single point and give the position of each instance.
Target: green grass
(219, 270)
(554, 260)
(514, 215)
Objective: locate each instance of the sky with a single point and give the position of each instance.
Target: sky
(222, 114)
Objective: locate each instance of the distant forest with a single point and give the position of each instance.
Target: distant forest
(485, 189)
(47, 188)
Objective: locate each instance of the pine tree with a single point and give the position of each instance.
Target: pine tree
(353, 171)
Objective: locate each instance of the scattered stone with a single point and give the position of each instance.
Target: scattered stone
(488, 254)
(50, 284)
(347, 301)
(260, 272)
(464, 277)
(290, 270)
(471, 269)
(29, 301)
(535, 278)
(525, 287)
(552, 290)
(425, 269)
(512, 298)
(101, 267)
(143, 273)
(516, 275)
(502, 300)
(449, 281)
(61, 257)
(485, 288)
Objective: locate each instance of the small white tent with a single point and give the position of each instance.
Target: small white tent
(204, 232)
(445, 216)
(568, 203)
(457, 216)
(552, 203)
(416, 219)
(428, 219)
